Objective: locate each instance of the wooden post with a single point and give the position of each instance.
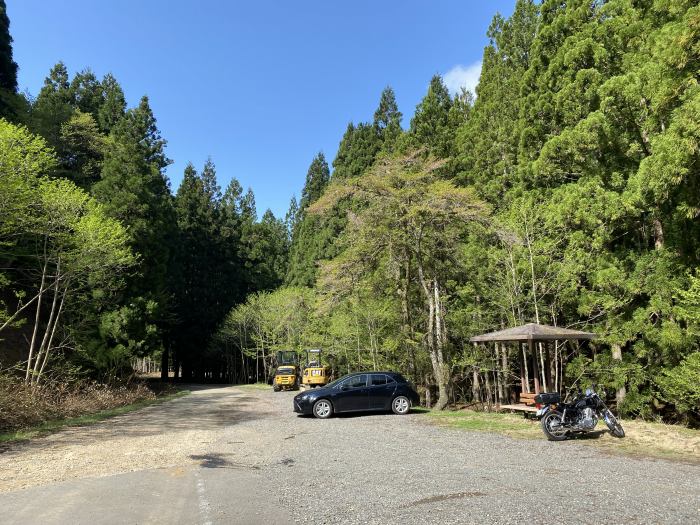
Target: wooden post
(548, 366)
(535, 368)
(505, 373)
(525, 368)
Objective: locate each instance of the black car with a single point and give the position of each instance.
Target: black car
(358, 392)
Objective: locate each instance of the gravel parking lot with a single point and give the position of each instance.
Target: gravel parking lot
(223, 455)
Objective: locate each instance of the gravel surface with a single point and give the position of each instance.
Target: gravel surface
(352, 469)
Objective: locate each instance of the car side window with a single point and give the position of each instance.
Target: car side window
(379, 379)
(356, 382)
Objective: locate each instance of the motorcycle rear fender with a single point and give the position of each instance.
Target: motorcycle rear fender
(543, 411)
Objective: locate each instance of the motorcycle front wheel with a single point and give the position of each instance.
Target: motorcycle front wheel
(613, 424)
(552, 426)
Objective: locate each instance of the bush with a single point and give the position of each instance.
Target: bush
(681, 387)
(23, 406)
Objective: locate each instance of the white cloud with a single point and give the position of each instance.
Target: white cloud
(463, 76)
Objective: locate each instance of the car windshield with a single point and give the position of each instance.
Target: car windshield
(337, 381)
(285, 370)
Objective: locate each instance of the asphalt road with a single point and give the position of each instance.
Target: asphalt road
(232, 455)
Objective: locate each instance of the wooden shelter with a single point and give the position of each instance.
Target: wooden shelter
(535, 342)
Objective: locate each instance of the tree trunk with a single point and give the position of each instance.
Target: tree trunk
(476, 387)
(164, 361)
(622, 391)
(658, 234)
(53, 333)
(37, 317)
(440, 340)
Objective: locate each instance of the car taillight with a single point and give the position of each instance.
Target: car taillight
(538, 405)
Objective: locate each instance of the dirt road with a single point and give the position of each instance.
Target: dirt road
(240, 455)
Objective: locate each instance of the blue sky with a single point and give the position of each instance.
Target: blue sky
(259, 86)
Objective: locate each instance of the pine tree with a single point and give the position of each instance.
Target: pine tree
(8, 67)
(357, 150)
(114, 104)
(133, 189)
(311, 236)
(430, 125)
(201, 296)
(248, 210)
(87, 93)
(291, 218)
(317, 178)
(53, 106)
(487, 145)
(387, 119)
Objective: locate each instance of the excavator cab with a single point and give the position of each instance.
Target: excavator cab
(315, 374)
(287, 372)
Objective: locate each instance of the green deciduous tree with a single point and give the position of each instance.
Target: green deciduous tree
(408, 217)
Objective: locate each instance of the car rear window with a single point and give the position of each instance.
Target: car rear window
(399, 378)
(379, 379)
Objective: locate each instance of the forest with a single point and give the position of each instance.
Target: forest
(564, 191)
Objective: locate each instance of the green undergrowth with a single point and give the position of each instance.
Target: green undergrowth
(49, 427)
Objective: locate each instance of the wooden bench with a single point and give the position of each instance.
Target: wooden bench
(526, 405)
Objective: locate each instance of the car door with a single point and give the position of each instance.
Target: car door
(381, 389)
(352, 394)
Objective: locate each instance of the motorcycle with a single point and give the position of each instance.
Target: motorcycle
(580, 415)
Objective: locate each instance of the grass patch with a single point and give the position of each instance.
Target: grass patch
(49, 427)
(642, 439)
(508, 424)
(659, 440)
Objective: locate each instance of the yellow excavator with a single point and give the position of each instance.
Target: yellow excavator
(315, 374)
(287, 372)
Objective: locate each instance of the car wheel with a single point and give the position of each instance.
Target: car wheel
(275, 388)
(323, 409)
(400, 405)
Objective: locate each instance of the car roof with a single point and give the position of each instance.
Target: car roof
(388, 372)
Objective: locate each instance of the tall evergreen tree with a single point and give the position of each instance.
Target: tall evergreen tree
(387, 119)
(317, 178)
(203, 286)
(133, 189)
(357, 150)
(114, 104)
(430, 125)
(292, 217)
(53, 106)
(8, 67)
(87, 93)
(311, 236)
(487, 145)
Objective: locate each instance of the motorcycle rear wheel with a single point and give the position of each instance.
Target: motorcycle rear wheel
(613, 424)
(552, 426)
